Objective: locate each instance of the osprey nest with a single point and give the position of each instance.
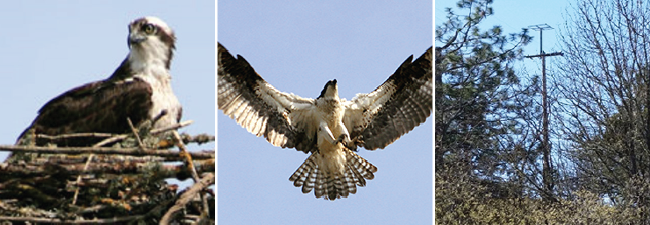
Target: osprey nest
(121, 179)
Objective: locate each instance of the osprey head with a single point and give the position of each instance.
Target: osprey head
(330, 90)
(151, 42)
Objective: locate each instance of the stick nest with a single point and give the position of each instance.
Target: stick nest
(121, 179)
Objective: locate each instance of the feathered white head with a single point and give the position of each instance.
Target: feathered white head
(151, 42)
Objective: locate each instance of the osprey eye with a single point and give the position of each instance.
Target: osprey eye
(149, 28)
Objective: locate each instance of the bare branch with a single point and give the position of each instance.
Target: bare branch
(168, 155)
(185, 198)
(94, 221)
(190, 164)
(10, 170)
(135, 133)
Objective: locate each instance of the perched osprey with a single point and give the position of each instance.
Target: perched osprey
(139, 89)
(328, 127)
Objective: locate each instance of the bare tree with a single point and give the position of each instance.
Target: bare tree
(603, 108)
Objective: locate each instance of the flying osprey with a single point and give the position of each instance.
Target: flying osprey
(328, 127)
(139, 89)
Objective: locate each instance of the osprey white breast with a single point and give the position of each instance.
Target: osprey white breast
(328, 127)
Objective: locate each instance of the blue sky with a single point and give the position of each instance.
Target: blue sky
(298, 46)
(512, 16)
(50, 47)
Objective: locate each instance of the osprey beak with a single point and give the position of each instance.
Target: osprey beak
(135, 39)
(330, 85)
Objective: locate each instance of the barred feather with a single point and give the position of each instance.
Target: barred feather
(331, 185)
(373, 120)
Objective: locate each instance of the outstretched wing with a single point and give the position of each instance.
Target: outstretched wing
(97, 107)
(401, 103)
(285, 120)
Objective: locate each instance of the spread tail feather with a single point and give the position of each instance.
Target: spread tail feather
(333, 185)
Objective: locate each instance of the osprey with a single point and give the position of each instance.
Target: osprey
(139, 90)
(328, 127)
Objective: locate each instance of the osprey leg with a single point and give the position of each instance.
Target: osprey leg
(325, 134)
(345, 137)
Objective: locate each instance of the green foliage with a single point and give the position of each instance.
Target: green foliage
(480, 103)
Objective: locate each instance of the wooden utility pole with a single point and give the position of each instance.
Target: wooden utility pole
(547, 169)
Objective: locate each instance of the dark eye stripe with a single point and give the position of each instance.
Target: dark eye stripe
(149, 28)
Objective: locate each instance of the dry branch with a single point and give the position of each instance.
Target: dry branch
(112, 138)
(106, 185)
(169, 155)
(190, 165)
(186, 197)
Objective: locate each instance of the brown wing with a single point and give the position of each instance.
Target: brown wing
(283, 119)
(401, 103)
(98, 107)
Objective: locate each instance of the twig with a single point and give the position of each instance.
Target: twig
(76, 192)
(12, 171)
(111, 138)
(172, 127)
(199, 139)
(75, 135)
(78, 181)
(186, 197)
(159, 116)
(93, 221)
(186, 156)
(153, 132)
(190, 165)
(109, 135)
(105, 151)
(116, 138)
(135, 132)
